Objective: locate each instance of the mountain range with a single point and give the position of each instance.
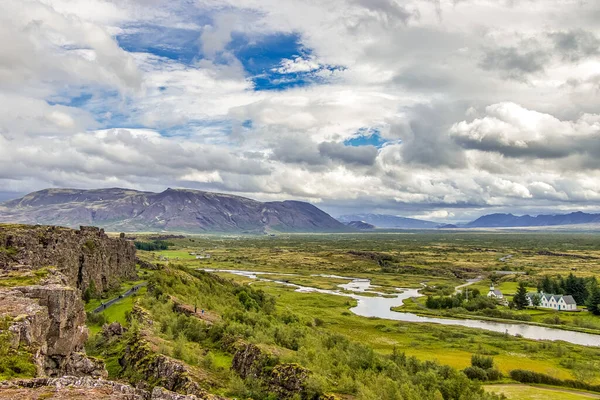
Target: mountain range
(384, 221)
(172, 210)
(510, 220)
(194, 211)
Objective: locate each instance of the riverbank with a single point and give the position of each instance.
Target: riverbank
(415, 308)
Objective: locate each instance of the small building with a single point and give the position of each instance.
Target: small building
(495, 293)
(554, 301)
(202, 257)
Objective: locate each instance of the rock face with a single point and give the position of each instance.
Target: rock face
(50, 321)
(84, 388)
(171, 210)
(160, 370)
(82, 256)
(285, 380)
(46, 311)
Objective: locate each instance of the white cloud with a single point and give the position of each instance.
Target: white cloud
(431, 77)
(297, 64)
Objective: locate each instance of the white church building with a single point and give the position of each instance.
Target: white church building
(554, 301)
(495, 293)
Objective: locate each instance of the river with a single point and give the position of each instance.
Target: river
(380, 307)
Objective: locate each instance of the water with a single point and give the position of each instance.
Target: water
(380, 307)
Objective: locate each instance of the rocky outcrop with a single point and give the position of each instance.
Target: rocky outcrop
(147, 265)
(82, 256)
(249, 361)
(159, 370)
(49, 320)
(49, 267)
(285, 380)
(70, 387)
(111, 330)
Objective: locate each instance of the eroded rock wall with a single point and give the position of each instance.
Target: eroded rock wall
(49, 320)
(82, 256)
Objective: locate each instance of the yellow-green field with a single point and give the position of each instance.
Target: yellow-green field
(524, 392)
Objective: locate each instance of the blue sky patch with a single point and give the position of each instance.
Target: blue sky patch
(260, 57)
(367, 137)
(173, 43)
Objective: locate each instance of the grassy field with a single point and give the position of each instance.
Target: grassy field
(449, 345)
(404, 260)
(118, 311)
(524, 392)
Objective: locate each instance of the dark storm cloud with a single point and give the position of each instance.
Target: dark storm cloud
(425, 140)
(535, 149)
(363, 155)
(388, 10)
(576, 44)
(514, 62)
(296, 150)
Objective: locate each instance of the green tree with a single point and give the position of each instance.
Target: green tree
(90, 292)
(520, 298)
(593, 302)
(536, 300)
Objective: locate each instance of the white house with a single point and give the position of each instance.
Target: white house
(554, 301)
(495, 293)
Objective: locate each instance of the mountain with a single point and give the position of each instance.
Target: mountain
(510, 220)
(172, 210)
(390, 221)
(360, 225)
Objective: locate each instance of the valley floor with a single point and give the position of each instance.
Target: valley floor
(391, 261)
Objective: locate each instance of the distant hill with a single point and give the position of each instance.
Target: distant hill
(360, 225)
(390, 221)
(172, 210)
(510, 220)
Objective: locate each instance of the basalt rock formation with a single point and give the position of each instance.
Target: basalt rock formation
(83, 388)
(43, 271)
(287, 380)
(82, 256)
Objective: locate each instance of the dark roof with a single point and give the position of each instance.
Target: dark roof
(569, 300)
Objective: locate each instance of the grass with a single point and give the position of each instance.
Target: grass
(525, 392)
(119, 310)
(449, 345)
(26, 278)
(396, 260)
(125, 286)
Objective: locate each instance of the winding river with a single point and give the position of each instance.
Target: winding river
(380, 307)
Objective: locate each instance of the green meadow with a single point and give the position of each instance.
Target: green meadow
(434, 262)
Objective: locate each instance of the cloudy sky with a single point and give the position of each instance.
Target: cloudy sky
(441, 109)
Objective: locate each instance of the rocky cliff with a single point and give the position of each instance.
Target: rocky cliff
(43, 271)
(82, 256)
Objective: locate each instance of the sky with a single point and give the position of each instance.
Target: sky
(435, 109)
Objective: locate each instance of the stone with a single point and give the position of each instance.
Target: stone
(80, 255)
(112, 330)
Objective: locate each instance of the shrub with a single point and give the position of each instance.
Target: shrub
(476, 374)
(482, 362)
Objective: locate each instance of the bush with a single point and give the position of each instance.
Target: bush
(482, 362)
(95, 318)
(476, 374)
(525, 376)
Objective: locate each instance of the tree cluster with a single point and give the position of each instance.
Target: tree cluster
(575, 286)
(152, 246)
(472, 301)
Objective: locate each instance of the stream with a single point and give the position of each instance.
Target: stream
(380, 307)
